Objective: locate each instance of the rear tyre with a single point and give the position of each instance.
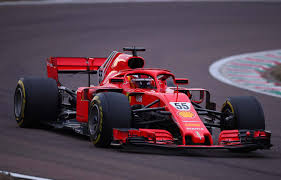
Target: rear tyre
(242, 112)
(107, 110)
(35, 100)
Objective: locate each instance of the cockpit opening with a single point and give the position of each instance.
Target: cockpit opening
(142, 81)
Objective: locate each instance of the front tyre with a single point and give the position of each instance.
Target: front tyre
(107, 110)
(242, 112)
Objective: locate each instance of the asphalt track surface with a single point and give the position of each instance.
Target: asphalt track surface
(183, 37)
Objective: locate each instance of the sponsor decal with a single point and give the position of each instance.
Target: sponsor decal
(198, 134)
(186, 114)
(181, 105)
(194, 128)
(192, 124)
(139, 98)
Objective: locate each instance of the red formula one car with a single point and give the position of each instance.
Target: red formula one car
(135, 106)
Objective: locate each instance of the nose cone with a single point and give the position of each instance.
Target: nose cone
(198, 137)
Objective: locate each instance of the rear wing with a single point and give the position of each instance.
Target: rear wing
(57, 65)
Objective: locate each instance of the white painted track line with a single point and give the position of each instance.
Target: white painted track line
(244, 71)
(23, 176)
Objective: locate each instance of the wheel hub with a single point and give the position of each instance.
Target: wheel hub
(94, 121)
(18, 102)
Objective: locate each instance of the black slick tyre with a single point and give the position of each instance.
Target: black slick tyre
(242, 112)
(35, 101)
(107, 110)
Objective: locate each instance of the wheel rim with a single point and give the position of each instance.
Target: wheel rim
(18, 102)
(94, 121)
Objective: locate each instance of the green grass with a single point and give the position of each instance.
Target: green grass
(276, 72)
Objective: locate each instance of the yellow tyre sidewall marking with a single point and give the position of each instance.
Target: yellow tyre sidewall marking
(98, 102)
(230, 105)
(20, 120)
(129, 97)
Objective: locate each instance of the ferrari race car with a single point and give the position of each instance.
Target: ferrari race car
(137, 106)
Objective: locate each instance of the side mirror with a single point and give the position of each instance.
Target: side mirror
(181, 81)
(116, 80)
(197, 96)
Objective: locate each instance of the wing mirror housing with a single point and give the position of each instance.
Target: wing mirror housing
(181, 81)
(116, 80)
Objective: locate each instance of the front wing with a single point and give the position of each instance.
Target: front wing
(240, 140)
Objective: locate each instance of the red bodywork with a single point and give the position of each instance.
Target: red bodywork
(116, 67)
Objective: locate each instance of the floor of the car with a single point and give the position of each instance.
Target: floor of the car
(73, 124)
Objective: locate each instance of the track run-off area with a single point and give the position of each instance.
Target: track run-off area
(185, 37)
(249, 71)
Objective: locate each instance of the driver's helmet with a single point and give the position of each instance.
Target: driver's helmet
(145, 82)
